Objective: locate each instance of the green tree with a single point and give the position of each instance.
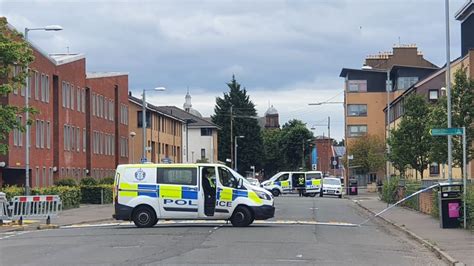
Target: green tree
(294, 137)
(438, 119)
(412, 136)
(368, 152)
(273, 160)
(462, 113)
(398, 156)
(245, 124)
(14, 52)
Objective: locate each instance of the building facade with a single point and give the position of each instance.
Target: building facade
(59, 91)
(163, 135)
(367, 94)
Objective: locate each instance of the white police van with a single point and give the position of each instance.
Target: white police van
(144, 193)
(287, 182)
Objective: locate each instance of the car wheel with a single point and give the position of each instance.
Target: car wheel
(340, 196)
(242, 217)
(312, 195)
(275, 192)
(144, 216)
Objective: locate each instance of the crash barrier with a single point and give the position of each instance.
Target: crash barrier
(3, 208)
(35, 207)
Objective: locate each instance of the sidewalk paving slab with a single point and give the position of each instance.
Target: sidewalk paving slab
(457, 243)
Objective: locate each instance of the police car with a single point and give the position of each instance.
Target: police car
(288, 182)
(144, 193)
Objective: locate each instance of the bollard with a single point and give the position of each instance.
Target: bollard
(48, 220)
(102, 196)
(20, 221)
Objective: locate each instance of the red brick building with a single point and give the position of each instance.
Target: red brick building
(81, 126)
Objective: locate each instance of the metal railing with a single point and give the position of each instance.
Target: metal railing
(4, 211)
(35, 207)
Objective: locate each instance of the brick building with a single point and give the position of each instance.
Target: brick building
(62, 132)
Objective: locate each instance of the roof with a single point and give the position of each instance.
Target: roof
(194, 121)
(93, 75)
(466, 10)
(344, 71)
(271, 111)
(153, 108)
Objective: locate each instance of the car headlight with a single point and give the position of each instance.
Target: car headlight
(263, 195)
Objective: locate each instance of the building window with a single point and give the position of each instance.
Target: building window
(433, 95)
(46, 88)
(64, 93)
(206, 131)
(37, 176)
(357, 85)
(78, 96)
(83, 107)
(37, 82)
(357, 130)
(404, 83)
(78, 139)
(84, 140)
(48, 135)
(357, 110)
(72, 96)
(434, 169)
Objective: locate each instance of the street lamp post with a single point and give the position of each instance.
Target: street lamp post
(132, 135)
(27, 113)
(235, 150)
(144, 125)
(448, 93)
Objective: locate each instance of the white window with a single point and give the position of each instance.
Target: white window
(93, 104)
(43, 88)
(113, 144)
(46, 88)
(357, 85)
(357, 110)
(68, 96)
(78, 96)
(72, 137)
(48, 135)
(63, 90)
(84, 140)
(37, 176)
(433, 95)
(42, 133)
(65, 137)
(83, 100)
(357, 130)
(72, 96)
(106, 111)
(78, 139)
(44, 177)
(37, 131)
(37, 85)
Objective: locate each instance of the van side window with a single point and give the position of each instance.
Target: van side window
(313, 176)
(283, 177)
(177, 176)
(227, 179)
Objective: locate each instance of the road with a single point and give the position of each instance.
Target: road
(279, 241)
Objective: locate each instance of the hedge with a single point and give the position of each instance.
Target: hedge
(470, 206)
(389, 190)
(92, 194)
(70, 196)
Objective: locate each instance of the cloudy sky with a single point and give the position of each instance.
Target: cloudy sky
(287, 53)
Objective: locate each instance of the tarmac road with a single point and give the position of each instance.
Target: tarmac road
(280, 240)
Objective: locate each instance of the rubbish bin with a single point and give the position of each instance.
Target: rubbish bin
(352, 188)
(450, 202)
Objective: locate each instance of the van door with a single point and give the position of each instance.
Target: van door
(208, 192)
(227, 192)
(285, 182)
(178, 192)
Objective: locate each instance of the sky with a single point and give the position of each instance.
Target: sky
(285, 53)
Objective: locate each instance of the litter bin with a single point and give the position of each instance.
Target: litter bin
(449, 202)
(352, 188)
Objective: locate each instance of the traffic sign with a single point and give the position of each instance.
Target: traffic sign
(314, 167)
(446, 131)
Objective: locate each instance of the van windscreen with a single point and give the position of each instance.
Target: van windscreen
(177, 176)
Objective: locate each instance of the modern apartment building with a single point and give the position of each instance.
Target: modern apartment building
(433, 86)
(164, 137)
(62, 132)
(366, 94)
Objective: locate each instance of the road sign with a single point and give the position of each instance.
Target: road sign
(314, 167)
(446, 131)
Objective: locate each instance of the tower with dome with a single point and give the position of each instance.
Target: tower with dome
(272, 119)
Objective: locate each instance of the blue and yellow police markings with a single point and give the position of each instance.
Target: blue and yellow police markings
(314, 183)
(154, 191)
(230, 194)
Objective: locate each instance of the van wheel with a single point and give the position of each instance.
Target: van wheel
(144, 216)
(275, 192)
(340, 196)
(312, 195)
(242, 217)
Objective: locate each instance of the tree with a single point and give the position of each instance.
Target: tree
(14, 52)
(412, 137)
(438, 119)
(462, 113)
(245, 124)
(368, 152)
(273, 160)
(294, 139)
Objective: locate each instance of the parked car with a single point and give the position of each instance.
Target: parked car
(332, 186)
(253, 181)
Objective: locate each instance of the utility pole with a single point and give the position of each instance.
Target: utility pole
(231, 138)
(388, 88)
(448, 92)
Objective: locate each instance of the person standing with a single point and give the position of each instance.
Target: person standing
(301, 185)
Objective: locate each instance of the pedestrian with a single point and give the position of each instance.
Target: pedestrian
(301, 185)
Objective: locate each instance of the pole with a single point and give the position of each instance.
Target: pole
(302, 157)
(27, 129)
(133, 150)
(235, 156)
(388, 89)
(144, 125)
(187, 147)
(448, 92)
(231, 138)
(464, 173)
(330, 144)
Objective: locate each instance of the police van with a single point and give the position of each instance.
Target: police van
(288, 182)
(144, 193)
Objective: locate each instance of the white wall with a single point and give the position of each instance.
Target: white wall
(197, 142)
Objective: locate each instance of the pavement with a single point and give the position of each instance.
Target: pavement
(457, 245)
(305, 231)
